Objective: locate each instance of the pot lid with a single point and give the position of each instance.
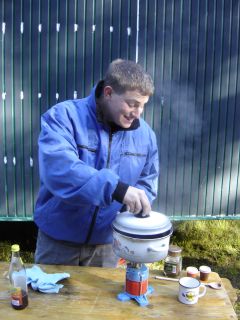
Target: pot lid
(155, 225)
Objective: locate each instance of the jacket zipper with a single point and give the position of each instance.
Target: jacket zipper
(127, 153)
(81, 146)
(97, 208)
(109, 149)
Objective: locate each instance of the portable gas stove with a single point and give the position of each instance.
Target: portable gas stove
(136, 286)
(140, 239)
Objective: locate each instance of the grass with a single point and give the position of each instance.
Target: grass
(214, 243)
(5, 253)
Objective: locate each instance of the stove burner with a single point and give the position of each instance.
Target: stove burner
(136, 286)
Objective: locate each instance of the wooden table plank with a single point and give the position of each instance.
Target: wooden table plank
(90, 293)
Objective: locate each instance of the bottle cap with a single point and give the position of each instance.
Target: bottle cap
(174, 251)
(15, 248)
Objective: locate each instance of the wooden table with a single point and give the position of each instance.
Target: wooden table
(90, 293)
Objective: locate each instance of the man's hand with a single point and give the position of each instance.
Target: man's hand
(136, 201)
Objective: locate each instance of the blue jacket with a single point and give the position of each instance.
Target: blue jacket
(81, 164)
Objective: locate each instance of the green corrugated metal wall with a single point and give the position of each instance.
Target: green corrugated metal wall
(52, 50)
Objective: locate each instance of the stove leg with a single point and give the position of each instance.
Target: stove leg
(142, 300)
(150, 290)
(123, 297)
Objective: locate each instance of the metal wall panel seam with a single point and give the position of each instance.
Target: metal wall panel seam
(177, 106)
(154, 60)
(57, 80)
(117, 30)
(93, 43)
(75, 48)
(133, 19)
(137, 31)
(237, 192)
(196, 101)
(157, 117)
(165, 107)
(162, 98)
(189, 134)
(66, 50)
(100, 30)
(234, 186)
(88, 36)
(225, 85)
(208, 144)
(212, 113)
(125, 20)
(13, 89)
(129, 22)
(39, 64)
(143, 17)
(84, 49)
(102, 38)
(146, 13)
(4, 133)
(16, 84)
(111, 30)
(181, 105)
(170, 54)
(219, 112)
(32, 199)
(120, 28)
(225, 153)
(231, 178)
(195, 127)
(203, 108)
(48, 84)
(154, 115)
(22, 124)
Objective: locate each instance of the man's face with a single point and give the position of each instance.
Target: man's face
(123, 109)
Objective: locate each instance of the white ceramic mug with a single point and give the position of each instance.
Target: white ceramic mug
(189, 290)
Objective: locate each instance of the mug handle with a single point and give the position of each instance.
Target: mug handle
(203, 292)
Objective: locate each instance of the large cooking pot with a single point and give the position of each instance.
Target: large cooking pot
(141, 239)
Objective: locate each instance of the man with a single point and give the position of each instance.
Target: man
(96, 156)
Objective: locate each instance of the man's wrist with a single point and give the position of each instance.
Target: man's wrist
(120, 191)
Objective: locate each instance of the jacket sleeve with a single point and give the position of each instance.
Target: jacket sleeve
(61, 170)
(148, 180)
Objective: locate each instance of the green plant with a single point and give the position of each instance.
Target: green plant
(5, 253)
(217, 242)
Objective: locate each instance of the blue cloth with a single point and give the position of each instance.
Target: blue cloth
(45, 282)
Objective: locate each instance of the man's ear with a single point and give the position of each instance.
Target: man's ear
(107, 91)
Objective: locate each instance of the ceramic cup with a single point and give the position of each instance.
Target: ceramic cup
(189, 290)
(192, 272)
(204, 273)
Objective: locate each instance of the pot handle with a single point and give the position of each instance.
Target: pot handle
(139, 215)
(157, 249)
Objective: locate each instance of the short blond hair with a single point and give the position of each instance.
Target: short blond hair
(126, 75)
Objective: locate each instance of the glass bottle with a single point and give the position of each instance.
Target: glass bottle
(18, 280)
(173, 261)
